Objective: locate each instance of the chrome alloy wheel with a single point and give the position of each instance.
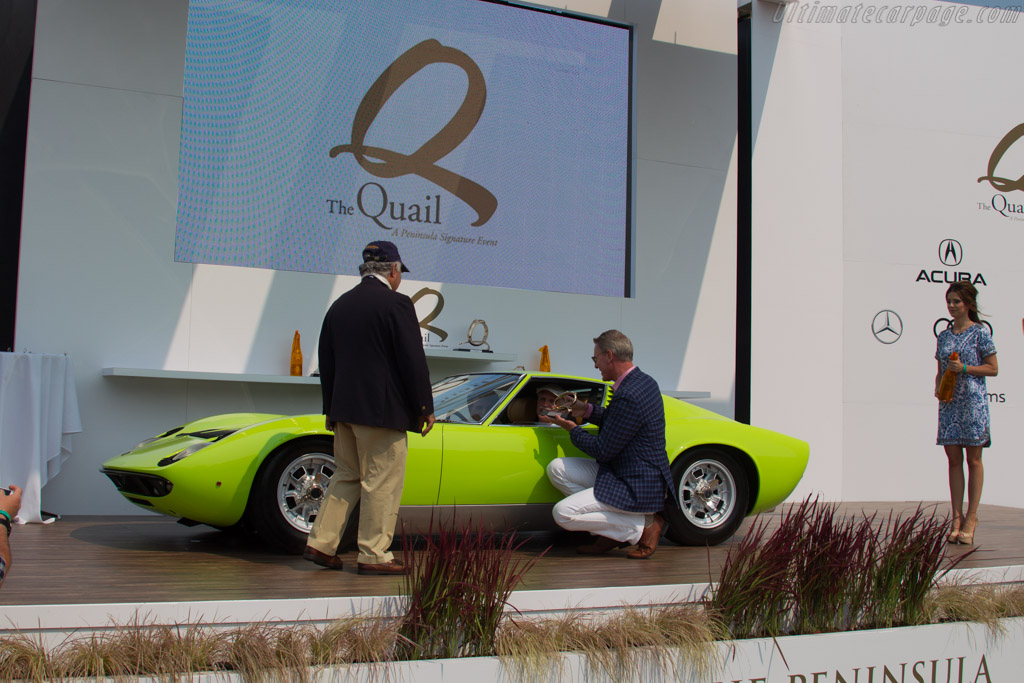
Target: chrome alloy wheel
(707, 493)
(302, 487)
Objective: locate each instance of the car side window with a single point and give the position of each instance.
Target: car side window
(523, 408)
(469, 399)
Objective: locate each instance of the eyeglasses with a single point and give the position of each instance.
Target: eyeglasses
(594, 358)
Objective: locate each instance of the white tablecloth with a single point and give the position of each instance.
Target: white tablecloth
(38, 412)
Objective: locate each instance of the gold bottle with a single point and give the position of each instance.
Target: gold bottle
(296, 365)
(947, 385)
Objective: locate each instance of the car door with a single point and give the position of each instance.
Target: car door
(502, 464)
(423, 467)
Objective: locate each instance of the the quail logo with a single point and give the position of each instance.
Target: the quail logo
(372, 198)
(951, 253)
(998, 183)
(1005, 207)
(887, 326)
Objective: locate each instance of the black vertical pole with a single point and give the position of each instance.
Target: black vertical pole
(17, 36)
(743, 220)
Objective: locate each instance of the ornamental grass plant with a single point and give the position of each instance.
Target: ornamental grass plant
(985, 604)
(818, 572)
(457, 589)
(627, 645)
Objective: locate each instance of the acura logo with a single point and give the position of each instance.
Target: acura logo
(950, 252)
(887, 326)
(943, 323)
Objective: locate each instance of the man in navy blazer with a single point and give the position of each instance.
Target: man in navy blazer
(376, 389)
(616, 496)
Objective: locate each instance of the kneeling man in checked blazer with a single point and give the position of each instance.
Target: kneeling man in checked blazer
(619, 494)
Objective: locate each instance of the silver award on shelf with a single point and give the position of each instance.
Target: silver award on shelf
(476, 342)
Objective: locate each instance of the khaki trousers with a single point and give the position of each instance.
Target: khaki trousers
(370, 470)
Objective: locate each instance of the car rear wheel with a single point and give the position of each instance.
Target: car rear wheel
(711, 497)
(288, 491)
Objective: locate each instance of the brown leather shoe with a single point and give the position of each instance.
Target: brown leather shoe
(394, 567)
(322, 559)
(641, 552)
(648, 539)
(602, 545)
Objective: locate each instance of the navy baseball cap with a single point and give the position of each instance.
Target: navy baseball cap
(384, 252)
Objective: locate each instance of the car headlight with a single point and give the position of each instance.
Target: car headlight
(184, 453)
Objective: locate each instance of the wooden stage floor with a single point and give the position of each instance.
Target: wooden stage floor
(87, 560)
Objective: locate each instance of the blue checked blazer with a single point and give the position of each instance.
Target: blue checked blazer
(633, 473)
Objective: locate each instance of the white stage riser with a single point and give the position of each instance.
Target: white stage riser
(941, 653)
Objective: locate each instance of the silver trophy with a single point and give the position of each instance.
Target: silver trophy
(475, 342)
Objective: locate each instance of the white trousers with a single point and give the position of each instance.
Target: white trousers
(581, 511)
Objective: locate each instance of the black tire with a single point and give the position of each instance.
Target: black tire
(285, 495)
(712, 494)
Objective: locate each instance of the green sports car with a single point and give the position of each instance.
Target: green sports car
(484, 460)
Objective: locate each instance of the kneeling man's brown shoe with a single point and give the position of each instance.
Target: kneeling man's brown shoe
(322, 559)
(648, 539)
(602, 545)
(387, 568)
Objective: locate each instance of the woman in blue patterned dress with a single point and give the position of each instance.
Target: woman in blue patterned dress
(964, 421)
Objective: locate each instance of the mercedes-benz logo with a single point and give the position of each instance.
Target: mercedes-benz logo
(887, 326)
(943, 323)
(950, 252)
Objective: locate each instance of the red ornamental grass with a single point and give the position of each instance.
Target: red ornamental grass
(753, 596)
(909, 562)
(818, 572)
(457, 590)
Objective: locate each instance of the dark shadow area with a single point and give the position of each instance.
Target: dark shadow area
(17, 34)
(744, 221)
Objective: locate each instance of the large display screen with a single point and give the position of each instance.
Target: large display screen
(490, 142)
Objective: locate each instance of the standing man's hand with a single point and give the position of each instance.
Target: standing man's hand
(328, 423)
(426, 424)
(11, 502)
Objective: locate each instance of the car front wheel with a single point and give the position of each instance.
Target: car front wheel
(287, 493)
(711, 497)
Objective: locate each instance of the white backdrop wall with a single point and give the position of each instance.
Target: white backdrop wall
(97, 278)
(870, 139)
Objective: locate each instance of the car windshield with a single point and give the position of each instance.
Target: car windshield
(470, 398)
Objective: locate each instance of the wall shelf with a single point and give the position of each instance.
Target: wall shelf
(151, 373)
(207, 376)
(472, 356)
(686, 395)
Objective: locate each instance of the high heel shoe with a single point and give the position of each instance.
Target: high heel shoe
(967, 537)
(954, 535)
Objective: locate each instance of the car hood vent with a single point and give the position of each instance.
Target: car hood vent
(211, 434)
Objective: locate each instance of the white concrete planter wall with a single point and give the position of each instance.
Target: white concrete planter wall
(942, 653)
